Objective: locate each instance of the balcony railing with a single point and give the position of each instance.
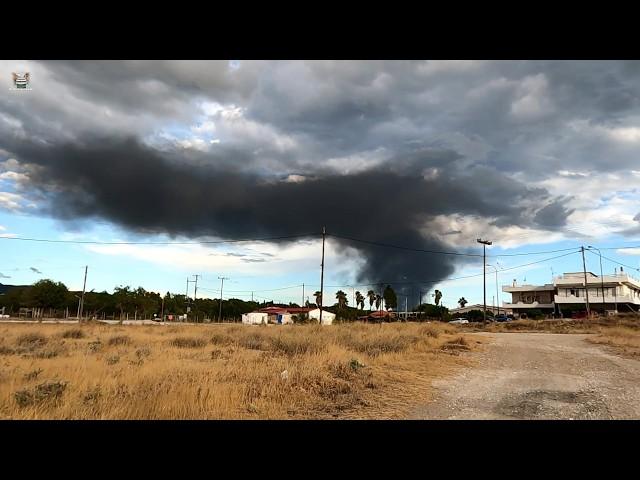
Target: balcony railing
(527, 305)
(598, 299)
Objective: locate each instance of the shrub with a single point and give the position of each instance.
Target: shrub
(44, 391)
(74, 333)
(120, 340)
(143, 352)
(112, 360)
(296, 346)
(253, 341)
(4, 350)
(31, 340)
(33, 374)
(221, 339)
(187, 342)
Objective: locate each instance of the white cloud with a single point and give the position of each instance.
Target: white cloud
(625, 134)
(629, 251)
(297, 257)
(433, 67)
(14, 176)
(533, 101)
(11, 201)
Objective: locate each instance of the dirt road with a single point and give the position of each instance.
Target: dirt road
(539, 376)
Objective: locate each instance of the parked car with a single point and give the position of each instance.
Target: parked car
(501, 318)
(459, 320)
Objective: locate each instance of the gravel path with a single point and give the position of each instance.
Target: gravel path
(539, 376)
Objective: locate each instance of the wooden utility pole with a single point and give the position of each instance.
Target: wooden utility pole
(586, 285)
(484, 273)
(302, 304)
(81, 304)
(195, 292)
(324, 232)
(221, 287)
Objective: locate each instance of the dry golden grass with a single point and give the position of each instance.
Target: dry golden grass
(624, 340)
(222, 372)
(556, 326)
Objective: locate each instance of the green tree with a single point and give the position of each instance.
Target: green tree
(342, 299)
(462, 302)
(390, 298)
(378, 301)
(48, 294)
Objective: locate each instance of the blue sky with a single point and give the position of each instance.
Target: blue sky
(535, 156)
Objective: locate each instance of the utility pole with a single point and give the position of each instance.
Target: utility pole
(601, 276)
(302, 304)
(81, 303)
(586, 285)
(162, 310)
(484, 273)
(195, 292)
(324, 232)
(221, 287)
(186, 300)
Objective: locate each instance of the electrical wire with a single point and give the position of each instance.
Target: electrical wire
(207, 242)
(612, 260)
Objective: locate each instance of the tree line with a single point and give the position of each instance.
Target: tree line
(53, 299)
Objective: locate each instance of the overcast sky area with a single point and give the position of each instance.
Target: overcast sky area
(535, 156)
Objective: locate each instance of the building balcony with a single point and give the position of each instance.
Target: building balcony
(598, 299)
(527, 305)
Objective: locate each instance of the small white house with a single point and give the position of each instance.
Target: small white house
(327, 317)
(255, 318)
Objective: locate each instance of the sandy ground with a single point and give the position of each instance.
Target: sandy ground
(538, 376)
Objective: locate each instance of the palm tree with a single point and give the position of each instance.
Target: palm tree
(438, 295)
(318, 296)
(378, 301)
(342, 298)
(359, 300)
(372, 298)
(462, 302)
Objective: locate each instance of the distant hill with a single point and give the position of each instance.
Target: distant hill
(4, 288)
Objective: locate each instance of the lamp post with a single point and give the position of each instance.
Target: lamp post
(497, 295)
(484, 273)
(601, 277)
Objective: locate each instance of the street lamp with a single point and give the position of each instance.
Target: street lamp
(484, 273)
(601, 277)
(497, 295)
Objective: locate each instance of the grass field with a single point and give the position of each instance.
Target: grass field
(222, 372)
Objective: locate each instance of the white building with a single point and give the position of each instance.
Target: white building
(327, 317)
(568, 293)
(255, 318)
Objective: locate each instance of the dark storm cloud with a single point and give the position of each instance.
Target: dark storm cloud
(94, 179)
(553, 215)
(34, 270)
(384, 146)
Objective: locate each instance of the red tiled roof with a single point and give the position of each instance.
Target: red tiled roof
(281, 310)
(378, 313)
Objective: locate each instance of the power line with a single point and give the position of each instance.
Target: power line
(449, 253)
(615, 261)
(208, 242)
(404, 248)
(575, 250)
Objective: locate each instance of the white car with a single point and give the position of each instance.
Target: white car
(459, 320)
